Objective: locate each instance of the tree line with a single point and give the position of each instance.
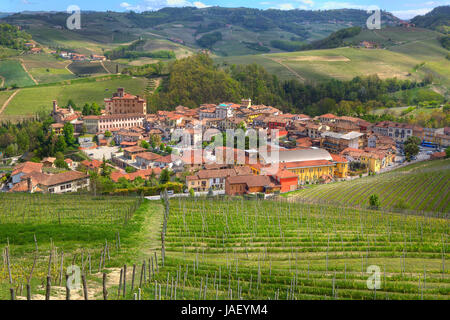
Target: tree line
(196, 80)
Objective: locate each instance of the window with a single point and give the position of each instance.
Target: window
(51, 190)
(63, 187)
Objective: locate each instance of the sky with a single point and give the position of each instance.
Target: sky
(404, 9)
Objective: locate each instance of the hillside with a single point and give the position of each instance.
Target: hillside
(409, 53)
(423, 186)
(244, 30)
(437, 19)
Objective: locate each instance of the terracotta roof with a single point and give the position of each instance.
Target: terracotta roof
(135, 149)
(150, 156)
(250, 180)
(92, 164)
(338, 158)
(27, 167)
(285, 174)
(328, 115)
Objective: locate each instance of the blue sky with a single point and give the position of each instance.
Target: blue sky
(402, 8)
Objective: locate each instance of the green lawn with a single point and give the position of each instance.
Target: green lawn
(33, 99)
(14, 74)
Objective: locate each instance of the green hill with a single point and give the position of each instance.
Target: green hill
(424, 186)
(437, 19)
(243, 29)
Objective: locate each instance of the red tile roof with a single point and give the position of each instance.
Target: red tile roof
(27, 167)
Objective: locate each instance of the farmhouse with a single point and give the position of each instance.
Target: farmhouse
(240, 185)
(70, 181)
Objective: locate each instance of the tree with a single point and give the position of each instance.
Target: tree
(413, 139)
(61, 144)
(108, 134)
(411, 150)
(61, 164)
(164, 177)
(192, 193)
(68, 131)
(447, 152)
(374, 201)
(130, 169)
(145, 144)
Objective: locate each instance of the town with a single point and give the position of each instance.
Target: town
(126, 143)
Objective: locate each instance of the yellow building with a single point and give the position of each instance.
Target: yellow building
(309, 165)
(374, 160)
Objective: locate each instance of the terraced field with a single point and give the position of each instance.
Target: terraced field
(237, 249)
(423, 186)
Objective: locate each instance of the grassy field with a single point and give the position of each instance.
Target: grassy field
(405, 49)
(237, 249)
(46, 69)
(4, 95)
(423, 186)
(30, 100)
(14, 74)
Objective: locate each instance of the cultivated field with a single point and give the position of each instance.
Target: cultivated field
(31, 100)
(424, 186)
(14, 74)
(46, 68)
(236, 249)
(219, 249)
(46, 233)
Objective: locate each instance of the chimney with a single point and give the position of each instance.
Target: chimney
(55, 106)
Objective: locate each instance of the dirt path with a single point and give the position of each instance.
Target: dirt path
(26, 70)
(279, 61)
(67, 67)
(101, 62)
(8, 101)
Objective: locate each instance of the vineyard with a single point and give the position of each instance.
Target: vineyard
(283, 250)
(218, 249)
(43, 235)
(422, 187)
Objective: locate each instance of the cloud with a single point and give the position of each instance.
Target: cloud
(200, 5)
(409, 14)
(330, 5)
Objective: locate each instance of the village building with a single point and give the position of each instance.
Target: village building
(101, 124)
(337, 142)
(251, 184)
(125, 103)
(70, 181)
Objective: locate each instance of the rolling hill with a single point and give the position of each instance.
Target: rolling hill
(423, 187)
(244, 30)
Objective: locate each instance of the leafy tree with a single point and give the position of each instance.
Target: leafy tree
(374, 201)
(411, 150)
(164, 177)
(61, 144)
(68, 131)
(447, 152)
(130, 169)
(108, 134)
(145, 144)
(61, 164)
